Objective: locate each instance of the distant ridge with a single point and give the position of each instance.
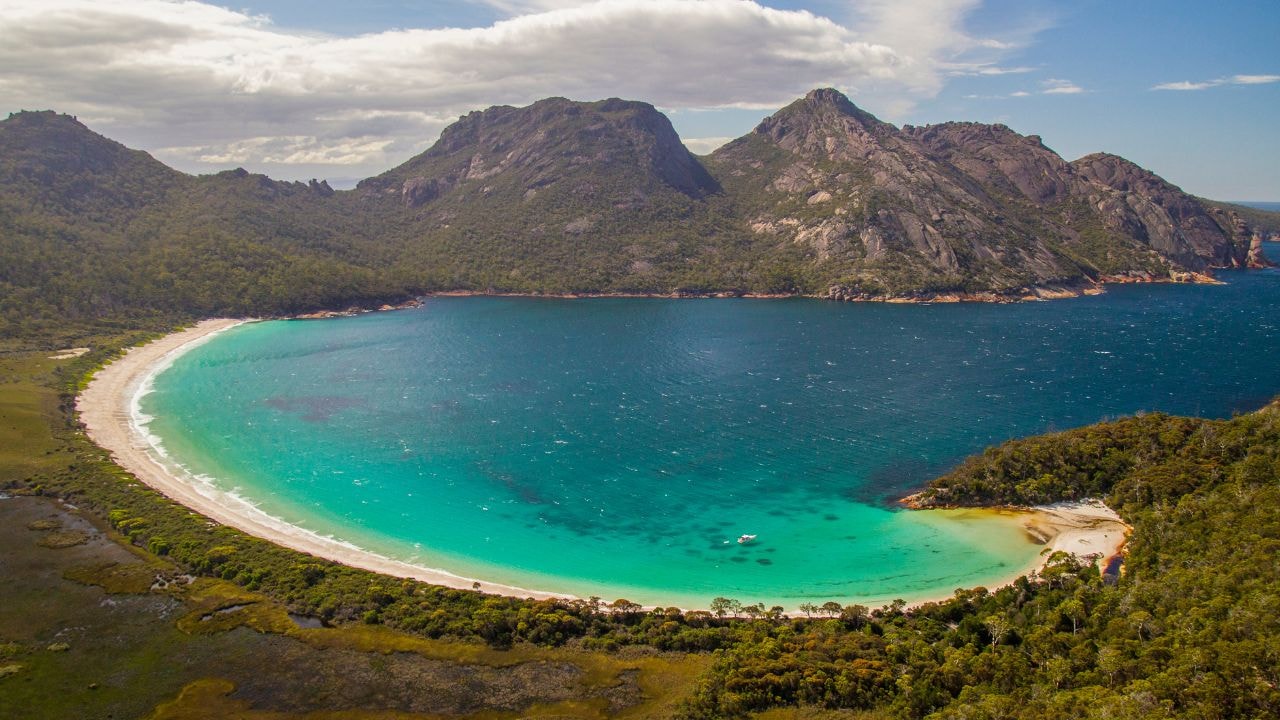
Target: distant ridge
(565, 197)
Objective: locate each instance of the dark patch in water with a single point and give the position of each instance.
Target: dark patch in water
(888, 482)
(524, 491)
(763, 561)
(223, 611)
(737, 559)
(313, 409)
(830, 517)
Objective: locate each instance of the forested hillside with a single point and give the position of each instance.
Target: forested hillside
(821, 199)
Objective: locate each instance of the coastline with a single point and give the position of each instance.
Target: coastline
(840, 293)
(1087, 529)
(108, 409)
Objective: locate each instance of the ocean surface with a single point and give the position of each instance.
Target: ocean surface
(1272, 206)
(618, 447)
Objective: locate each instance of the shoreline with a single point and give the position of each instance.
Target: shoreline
(840, 293)
(1087, 529)
(108, 409)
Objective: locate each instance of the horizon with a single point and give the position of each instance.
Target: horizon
(330, 91)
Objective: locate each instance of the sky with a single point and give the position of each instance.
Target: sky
(301, 89)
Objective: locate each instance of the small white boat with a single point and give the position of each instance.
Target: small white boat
(744, 539)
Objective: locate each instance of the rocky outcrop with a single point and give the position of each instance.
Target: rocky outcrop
(551, 142)
(951, 208)
(1146, 208)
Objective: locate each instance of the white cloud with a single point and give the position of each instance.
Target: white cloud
(1057, 86)
(209, 85)
(1184, 85)
(1254, 79)
(1020, 93)
(1233, 80)
(704, 145)
(987, 69)
(284, 150)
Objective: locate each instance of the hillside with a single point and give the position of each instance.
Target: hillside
(961, 207)
(821, 199)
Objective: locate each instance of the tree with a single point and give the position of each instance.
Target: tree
(997, 627)
(722, 605)
(855, 614)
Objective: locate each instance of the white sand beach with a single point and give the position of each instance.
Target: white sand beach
(1086, 529)
(108, 409)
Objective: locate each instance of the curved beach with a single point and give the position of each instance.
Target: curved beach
(108, 409)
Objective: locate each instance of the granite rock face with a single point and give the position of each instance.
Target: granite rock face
(961, 206)
(550, 142)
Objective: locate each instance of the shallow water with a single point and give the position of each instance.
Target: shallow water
(617, 447)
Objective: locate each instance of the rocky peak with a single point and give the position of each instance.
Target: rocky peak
(1118, 173)
(547, 142)
(821, 120)
(55, 158)
(1170, 221)
(60, 143)
(999, 157)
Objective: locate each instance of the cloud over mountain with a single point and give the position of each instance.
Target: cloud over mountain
(200, 83)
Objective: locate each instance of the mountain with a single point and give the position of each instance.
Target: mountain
(556, 197)
(820, 199)
(961, 206)
(91, 230)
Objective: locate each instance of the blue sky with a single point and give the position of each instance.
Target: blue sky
(344, 90)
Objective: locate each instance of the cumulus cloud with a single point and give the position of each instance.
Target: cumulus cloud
(1233, 80)
(199, 83)
(1058, 86)
(1254, 79)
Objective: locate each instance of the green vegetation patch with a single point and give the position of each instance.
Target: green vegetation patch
(116, 578)
(218, 606)
(59, 539)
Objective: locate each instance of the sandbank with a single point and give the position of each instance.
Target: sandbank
(108, 409)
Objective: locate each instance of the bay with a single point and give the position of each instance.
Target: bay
(618, 447)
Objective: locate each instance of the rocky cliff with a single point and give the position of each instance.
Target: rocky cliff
(961, 207)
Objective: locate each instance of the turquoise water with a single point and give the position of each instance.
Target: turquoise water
(616, 447)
